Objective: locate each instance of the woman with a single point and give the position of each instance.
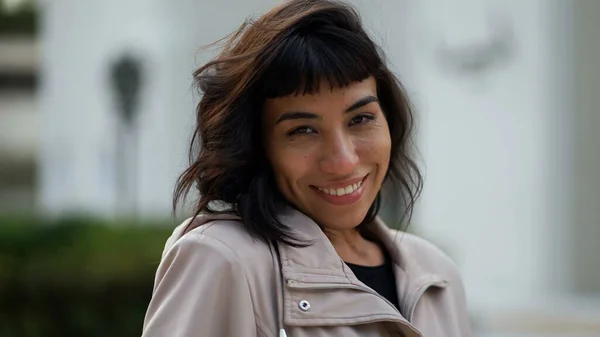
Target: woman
(301, 123)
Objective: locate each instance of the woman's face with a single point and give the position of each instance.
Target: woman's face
(329, 151)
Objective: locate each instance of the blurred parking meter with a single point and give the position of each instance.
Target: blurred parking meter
(126, 79)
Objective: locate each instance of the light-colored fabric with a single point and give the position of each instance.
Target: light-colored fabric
(215, 280)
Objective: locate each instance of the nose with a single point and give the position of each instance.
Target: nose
(339, 155)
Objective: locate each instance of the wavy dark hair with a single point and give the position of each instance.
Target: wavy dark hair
(289, 50)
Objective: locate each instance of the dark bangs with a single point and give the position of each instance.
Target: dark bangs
(315, 53)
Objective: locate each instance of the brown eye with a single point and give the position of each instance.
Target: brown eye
(301, 130)
(361, 119)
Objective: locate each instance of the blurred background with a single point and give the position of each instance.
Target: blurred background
(96, 112)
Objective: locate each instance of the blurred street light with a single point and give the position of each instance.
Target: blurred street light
(126, 79)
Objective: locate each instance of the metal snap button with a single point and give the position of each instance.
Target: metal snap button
(304, 305)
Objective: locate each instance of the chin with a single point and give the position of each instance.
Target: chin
(341, 220)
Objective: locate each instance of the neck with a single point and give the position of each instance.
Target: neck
(353, 248)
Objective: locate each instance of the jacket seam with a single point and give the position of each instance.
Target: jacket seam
(387, 329)
(202, 229)
(260, 325)
(349, 318)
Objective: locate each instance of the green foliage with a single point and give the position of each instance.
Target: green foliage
(77, 277)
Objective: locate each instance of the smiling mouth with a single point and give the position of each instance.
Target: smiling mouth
(341, 191)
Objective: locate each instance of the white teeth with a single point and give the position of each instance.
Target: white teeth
(341, 191)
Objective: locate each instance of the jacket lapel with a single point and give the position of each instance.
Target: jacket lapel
(412, 281)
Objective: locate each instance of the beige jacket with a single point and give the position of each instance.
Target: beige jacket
(215, 280)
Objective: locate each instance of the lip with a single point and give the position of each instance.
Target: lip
(347, 199)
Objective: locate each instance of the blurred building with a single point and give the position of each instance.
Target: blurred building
(19, 114)
(506, 93)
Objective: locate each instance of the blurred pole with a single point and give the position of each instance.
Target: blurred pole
(126, 80)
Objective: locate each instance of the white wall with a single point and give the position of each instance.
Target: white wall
(488, 142)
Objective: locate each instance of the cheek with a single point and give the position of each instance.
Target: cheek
(288, 166)
(386, 146)
(376, 147)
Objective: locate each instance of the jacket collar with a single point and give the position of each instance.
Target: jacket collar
(318, 266)
(320, 261)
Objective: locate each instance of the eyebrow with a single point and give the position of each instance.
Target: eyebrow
(290, 115)
(362, 102)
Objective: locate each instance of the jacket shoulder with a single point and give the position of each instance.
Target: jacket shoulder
(197, 269)
(227, 236)
(234, 236)
(233, 248)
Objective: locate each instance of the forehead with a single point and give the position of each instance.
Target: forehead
(326, 99)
